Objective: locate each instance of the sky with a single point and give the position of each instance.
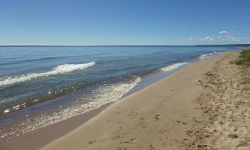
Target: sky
(124, 22)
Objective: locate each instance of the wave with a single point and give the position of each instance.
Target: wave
(61, 69)
(103, 95)
(173, 66)
(207, 55)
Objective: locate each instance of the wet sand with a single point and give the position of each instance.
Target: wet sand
(166, 115)
(43, 136)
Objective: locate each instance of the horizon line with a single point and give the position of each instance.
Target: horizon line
(118, 45)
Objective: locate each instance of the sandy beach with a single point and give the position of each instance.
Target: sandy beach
(182, 111)
(125, 75)
(204, 106)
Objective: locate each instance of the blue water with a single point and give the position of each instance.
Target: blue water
(32, 78)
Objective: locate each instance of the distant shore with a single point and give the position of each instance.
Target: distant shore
(161, 116)
(237, 45)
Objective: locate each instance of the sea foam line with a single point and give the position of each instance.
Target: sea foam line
(173, 66)
(103, 95)
(61, 69)
(207, 55)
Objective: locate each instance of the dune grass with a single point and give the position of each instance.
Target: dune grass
(244, 59)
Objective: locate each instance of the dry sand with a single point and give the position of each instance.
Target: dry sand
(225, 100)
(204, 106)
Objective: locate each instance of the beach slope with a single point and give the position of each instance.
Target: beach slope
(164, 115)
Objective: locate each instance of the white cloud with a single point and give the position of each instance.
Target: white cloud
(220, 37)
(224, 32)
(207, 38)
(225, 36)
(235, 39)
(188, 39)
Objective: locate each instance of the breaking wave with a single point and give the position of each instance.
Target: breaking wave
(103, 95)
(207, 55)
(173, 67)
(61, 69)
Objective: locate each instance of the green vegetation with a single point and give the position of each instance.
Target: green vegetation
(244, 59)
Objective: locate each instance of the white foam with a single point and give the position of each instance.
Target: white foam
(61, 69)
(207, 55)
(6, 111)
(99, 97)
(173, 67)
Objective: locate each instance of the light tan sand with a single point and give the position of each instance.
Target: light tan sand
(203, 107)
(225, 100)
(161, 116)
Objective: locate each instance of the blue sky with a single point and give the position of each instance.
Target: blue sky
(124, 22)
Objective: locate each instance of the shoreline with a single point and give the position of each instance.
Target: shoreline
(40, 138)
(53, 107)
(111, 136)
